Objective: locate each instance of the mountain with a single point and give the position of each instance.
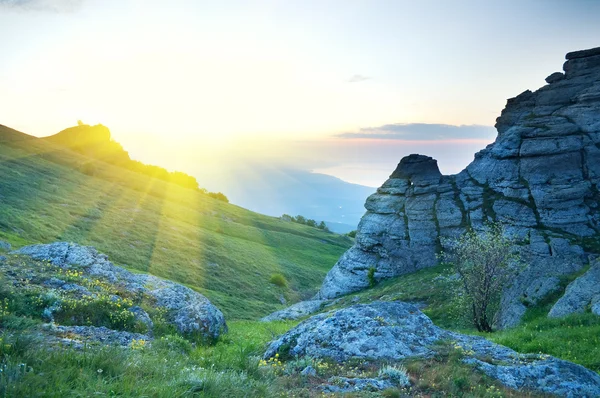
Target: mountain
(152, 225)
(275, 190)
(541, 178)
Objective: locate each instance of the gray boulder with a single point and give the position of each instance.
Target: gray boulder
(541, 178)
(380, 330)
(4, 245)
(582, 293)
(395, 331)
(188, 310)
(295, 311)
(78, 336)
(338, 384)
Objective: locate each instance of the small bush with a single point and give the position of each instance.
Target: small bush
(278, 280)
(102, 310)
(371, 277)
(396, 375)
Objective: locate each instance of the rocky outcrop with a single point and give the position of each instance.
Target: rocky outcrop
(582, 293)
(541, 178)
(395, 331)
(187, 309)
(295, 311)
(79, 336)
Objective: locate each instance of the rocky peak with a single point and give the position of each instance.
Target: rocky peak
(417, 169)
(541, 178)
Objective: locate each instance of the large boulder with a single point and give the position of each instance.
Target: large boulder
(541, 178)
(393, 331)
(187, 309)
(582, 293)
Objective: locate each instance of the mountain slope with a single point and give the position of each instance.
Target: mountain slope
(224, 251)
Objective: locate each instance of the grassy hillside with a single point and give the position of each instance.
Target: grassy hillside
(224, 251)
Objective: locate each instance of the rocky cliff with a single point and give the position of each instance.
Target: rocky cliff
(541, 177)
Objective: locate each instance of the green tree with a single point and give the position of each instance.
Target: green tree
(300, 219)
(323, 226)
(486, 262)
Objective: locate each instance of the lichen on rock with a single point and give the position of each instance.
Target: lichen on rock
(396, 331)
(189, 311)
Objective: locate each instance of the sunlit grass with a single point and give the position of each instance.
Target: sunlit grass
(221, 250)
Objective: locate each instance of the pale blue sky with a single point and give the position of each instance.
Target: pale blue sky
(249, 78)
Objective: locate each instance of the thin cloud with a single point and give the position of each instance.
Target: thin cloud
(423, 132)
(58, 6)
(358, 78)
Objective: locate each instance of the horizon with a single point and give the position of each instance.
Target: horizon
(192, 86)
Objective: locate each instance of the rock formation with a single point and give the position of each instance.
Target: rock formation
(396, 331)
(583, 292)
(188, 310)
(541, 178)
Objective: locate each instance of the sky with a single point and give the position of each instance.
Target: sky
(340, 87)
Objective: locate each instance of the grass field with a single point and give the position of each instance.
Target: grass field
(224, 251)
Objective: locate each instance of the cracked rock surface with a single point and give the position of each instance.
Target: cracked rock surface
(541, 178)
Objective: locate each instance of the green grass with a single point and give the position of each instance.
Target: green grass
(170, 367)
(173, 367)
(224, 251)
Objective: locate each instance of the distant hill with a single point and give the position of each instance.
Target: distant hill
(96, 142)
(275, 190)
(224, 251)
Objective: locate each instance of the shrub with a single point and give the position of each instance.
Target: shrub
(278, 280)
(219, 196)
(371, 277)
(486, 263)
(396, 375)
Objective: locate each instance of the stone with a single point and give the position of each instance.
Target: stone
(583, 53)
(417, 169)
(541, 176)
(596, 306)
(580, 294)
(187, 309)
(5, 245)
(143, 317)
(381, 330)
(81, 335)
(339, 384)
(309, 371)
(555, 77)
(295, 311)
(393, 331)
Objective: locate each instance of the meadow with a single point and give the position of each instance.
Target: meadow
(229, 254)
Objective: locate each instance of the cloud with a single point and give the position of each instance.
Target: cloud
(59, 6)
(358, 78)
(423, 132)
